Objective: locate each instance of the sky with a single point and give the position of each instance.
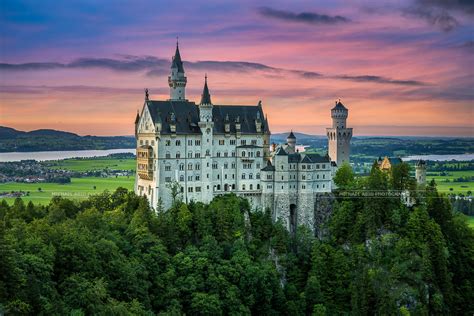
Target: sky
(402, 67)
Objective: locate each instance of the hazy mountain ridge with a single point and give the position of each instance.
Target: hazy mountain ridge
(52, 140)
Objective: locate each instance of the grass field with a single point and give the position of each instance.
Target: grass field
(458, 187)
(92, 164)
(471, 221)
(79, 188)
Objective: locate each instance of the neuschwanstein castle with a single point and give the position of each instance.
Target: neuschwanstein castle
(210, 149)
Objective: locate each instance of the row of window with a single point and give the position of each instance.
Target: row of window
(197, 142)
(303, 177)
(304, 167)
(208, 153)
(215, 165)
(147, 142)
(177, 142)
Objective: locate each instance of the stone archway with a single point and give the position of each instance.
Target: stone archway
(293, 218)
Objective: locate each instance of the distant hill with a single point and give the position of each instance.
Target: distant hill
(300, 137)
(51, 140)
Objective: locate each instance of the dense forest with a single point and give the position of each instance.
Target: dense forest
(113, 255)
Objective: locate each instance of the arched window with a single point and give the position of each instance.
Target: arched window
(251, 187)
(181, 178)
(168, 155)
(258, 186)
(178, 142)
(243, 153)
(208, 153)
(218, 154)
(198, 166)
(218, 187)
(243, 187)
(243, 175)
(190, 166)
(258, 176)
(258, 153)
(181, 166)
(190, 154)
(250, 175)
(178, 155)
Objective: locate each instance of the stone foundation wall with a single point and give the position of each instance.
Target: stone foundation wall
(323, 207)
(306, 210)
(281, 209)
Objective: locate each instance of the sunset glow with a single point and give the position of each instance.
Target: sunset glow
(82, 66)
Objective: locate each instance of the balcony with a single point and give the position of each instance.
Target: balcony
(145, 162)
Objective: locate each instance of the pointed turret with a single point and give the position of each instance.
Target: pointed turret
(137, 118)
(291, 136)
(205, 106)
(291, 141)
(177, 62)
(177, 80)
(206, 96)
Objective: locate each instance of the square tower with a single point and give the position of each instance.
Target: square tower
(339, 136)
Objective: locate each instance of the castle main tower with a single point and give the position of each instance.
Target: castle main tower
(177, 80)
(339, 136)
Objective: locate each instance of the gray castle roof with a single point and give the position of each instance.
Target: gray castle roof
(186, 115)
(298, 158)
(339, 106)
(291, 136)
(315, 158)
(177, 62)
(421, 162)
(206, 96)
(395, 160)
(269, 167)
(280, 152)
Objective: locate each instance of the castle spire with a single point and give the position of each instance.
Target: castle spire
(177, 79)
(137, 118)
(177, 62)
(206, 96)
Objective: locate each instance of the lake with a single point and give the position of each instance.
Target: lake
(460, 157)
(57, 155)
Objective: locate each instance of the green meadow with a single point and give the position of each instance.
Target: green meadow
(470, 221)
(92, 164)
(457, 187)
(79, 188)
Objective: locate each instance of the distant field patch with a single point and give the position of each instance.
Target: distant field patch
(79, 164)
(457, 187)
(79, 188)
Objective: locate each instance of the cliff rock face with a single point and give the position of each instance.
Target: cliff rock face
(323, 207)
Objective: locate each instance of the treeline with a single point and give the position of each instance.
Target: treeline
(58, 142)
(379, 146)
(462, 204)
(450, 166)
(113, 255)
